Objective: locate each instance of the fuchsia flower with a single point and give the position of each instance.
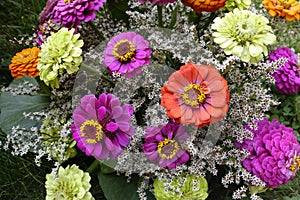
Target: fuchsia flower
(102, 126)
(71, 12)
(287, 76)
(274, 152)
(162, 145)
(127, 53)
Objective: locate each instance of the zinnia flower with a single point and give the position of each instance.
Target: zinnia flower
(243, 34)
(48, 11)
(240, 4)
(196, 94)
(127, 53)
(61, 52)
(69, 183)
(274, 152)
(204, 5)
(186, 187)
(162, 145)
(159, 2)
(25, 63)
(286, 76)
(290, 9)
(72, 12)
(101, 126)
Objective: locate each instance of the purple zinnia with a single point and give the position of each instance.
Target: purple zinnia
(48, 12)
(101, 126)
(71, 12)
(287, 76)
(127, 53)
(162, 145)
(274, 152)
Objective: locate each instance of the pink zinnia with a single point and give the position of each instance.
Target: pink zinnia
(163, 145)
(274, 152)
(72, 12)
(102, 126)
(127, 53)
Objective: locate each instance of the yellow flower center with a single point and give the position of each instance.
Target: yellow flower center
(167, 149)
(91, 130)
(286, 3)
(194, 94)
(124, 51)
(295, 165)
(68, 1)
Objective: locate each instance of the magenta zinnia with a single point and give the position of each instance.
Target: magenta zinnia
(102, 126)
(274, 152)
(127, 53)
(287, 76)
(71, 12)
(163, 145)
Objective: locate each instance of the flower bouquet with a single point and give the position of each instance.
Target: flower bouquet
(157, 100)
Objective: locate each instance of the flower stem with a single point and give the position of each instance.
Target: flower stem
(159, 16)
(96, 30)
(44, 88)
(93, 166)
(93, 71)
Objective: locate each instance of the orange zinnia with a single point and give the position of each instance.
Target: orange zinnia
(196, 94)
(25, 63)
(290, 9)
(204, 5)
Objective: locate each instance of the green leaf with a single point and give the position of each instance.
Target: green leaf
(118, 9)
(117, 188)
(13, 106)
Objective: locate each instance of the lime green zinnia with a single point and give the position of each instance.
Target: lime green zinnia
(71, 183)
(240, 4)
(243, 34)
(193, 188)
(61, 52)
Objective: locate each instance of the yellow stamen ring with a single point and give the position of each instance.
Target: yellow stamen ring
(199, 90)
(96, 136)
(295, 165)
(124, 51)
(167, 143)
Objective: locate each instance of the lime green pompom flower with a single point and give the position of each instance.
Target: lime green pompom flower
(243, 34)
(61, 52)
(188, 187)
(230, 5)
(70, 183)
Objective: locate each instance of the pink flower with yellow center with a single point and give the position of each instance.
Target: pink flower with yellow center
(127, 53)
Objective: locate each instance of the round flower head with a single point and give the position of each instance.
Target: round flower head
(72, 12)
(290, 9)
(127, 53)
(240, 4)
(61, 52)
(274, 152)
(204, 6)
(187, 187)
(101, 126)
(287, 75)
(159, 2)
(243, 34)
(48, 11)
(162, 145)
(25, 63)
(69, 183)
(196, 95)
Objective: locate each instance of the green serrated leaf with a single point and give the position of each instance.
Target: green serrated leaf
(13, 106)
(117, 188)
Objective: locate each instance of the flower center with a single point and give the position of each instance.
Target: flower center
(195, 94)
(68, 1)
(92, 131)
(295, 165)
(124, 51)
(285, 3)
(167, 149)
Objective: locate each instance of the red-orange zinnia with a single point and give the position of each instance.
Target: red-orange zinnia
(204, 5)
(25, 62)
(196, 94)
(290, 9)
